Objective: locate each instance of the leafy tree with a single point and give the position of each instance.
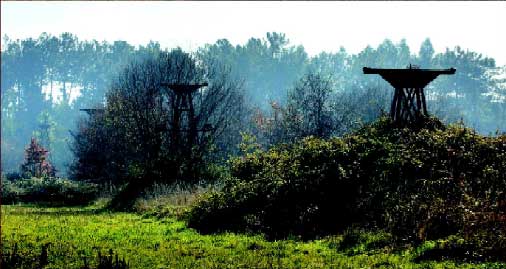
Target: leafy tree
(426, 54)
(36, 162)
(309, 107)
(135, 134)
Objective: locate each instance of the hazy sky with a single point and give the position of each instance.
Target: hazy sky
(318, 26)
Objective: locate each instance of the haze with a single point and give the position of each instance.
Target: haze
(318, 26)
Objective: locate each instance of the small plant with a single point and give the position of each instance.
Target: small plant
(11, 259)
(36, 162)
(111, 261)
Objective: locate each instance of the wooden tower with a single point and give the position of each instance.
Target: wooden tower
(409, 104)
(183, 117)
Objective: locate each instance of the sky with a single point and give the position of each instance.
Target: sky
(318, 26)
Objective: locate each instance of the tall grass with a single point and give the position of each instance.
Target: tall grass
(164, 200)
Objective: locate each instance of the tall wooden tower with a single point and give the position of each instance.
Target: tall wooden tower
(409, 104)
(183, 117)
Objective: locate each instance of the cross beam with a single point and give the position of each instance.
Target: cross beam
(92, 111)
(184, 88)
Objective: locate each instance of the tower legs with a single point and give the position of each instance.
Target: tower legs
(408, 105)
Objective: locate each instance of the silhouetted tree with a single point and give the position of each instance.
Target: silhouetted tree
(133, 134)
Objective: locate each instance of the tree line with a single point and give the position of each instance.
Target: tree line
(280, 92)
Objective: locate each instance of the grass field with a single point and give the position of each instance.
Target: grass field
(73, 234)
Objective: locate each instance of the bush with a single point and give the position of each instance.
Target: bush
(302, 189)
(416, 183)
(50, 191)
(12, 176)
(487, 245)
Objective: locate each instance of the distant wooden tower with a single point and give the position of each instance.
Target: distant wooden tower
(409, 104)
(93, 111)
(183, 116)
(44, 130)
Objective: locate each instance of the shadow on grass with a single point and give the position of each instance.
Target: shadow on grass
(13, 258)
(461, 254)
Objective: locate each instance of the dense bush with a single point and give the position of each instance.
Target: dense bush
(419, 184)
(50, 191)
(302, 189)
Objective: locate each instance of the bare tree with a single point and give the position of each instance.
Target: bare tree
(139, 119)
(309, 111)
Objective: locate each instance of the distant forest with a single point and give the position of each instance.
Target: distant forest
(45, 81)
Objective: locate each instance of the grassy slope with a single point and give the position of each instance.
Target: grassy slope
(168, 243)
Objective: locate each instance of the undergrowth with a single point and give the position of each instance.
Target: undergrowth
(417, 184)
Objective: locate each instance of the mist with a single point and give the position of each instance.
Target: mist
(45, 81)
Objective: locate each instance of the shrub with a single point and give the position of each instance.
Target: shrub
(301, 189)
(417, 183)
(50, 191)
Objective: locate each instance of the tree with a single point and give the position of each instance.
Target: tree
(135, 131)
(308, 107)
(36, 162)
(426, 54)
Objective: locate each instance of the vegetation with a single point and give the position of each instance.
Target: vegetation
(36, 162)
(417, 184)
(279, 162)
(58, 75)
(140, 136)
(146, 242)
(48, 191)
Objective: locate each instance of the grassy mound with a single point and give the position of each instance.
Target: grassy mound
(420, 184)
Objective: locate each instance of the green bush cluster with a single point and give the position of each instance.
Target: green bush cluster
(49, 191)
(418, 184)
(286, 190)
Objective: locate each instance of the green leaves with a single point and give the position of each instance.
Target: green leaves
(416, 183)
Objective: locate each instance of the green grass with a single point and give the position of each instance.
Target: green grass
(74, 233)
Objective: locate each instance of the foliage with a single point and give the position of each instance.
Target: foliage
(36, 161)
(56, 75)
(74, 235)
(95, 150)
(281, 192)
(316, 107)
(485, 245)
(60, 74)
(110, 261)
(309, 102)
(418, 184)
(161, 200)
(48, 191)
(138, 137)
(359, 241)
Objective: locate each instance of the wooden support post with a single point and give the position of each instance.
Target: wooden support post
(393, 106)
(418, 102)
(424, 104)
(400, 95)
